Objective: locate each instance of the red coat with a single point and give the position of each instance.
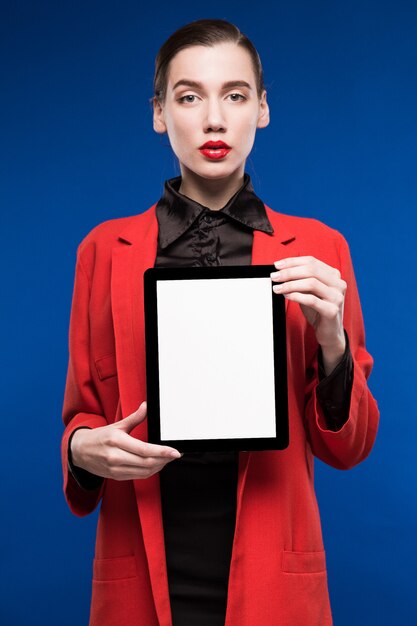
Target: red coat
(278, 569)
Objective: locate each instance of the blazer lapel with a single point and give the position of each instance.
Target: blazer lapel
(135, 252)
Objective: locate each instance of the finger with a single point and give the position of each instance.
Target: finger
(304, 267)
(145, 449)
(312, 286)
(329, 310)
(293, 261)
(128, 472)
(121, 458)
(128, 423)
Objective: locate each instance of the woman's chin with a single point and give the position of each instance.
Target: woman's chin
(213, 171)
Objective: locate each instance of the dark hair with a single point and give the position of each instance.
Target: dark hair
(202, 33)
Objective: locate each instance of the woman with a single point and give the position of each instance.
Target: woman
(210, 539)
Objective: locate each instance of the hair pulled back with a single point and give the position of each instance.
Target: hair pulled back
(205, 32)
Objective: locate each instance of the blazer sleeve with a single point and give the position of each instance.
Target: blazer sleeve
(81, 406)
(349, 445)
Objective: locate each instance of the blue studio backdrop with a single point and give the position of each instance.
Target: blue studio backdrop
(77, 148)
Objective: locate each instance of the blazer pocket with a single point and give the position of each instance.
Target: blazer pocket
(303, 562)
(114, 569)
(106, 366)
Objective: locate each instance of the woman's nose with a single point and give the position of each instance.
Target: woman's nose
(214, 119)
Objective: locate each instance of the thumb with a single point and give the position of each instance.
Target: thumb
(128, 423)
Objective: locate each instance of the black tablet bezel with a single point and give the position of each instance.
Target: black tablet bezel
(150, 278)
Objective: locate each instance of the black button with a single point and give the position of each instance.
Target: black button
(207, 218)
(211, 257)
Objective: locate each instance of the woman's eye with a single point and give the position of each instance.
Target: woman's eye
(185, 98)
(237, 96)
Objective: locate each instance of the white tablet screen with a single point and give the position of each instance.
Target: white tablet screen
(216, 360)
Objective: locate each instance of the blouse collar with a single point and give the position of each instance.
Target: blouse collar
(175, 212)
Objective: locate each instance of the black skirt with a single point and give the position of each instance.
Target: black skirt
(198, 496)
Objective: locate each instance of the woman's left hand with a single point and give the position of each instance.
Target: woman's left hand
(320, 291)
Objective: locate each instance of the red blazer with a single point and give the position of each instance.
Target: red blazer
(278, 570)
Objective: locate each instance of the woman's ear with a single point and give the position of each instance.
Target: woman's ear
(158, 117)
(263, 119)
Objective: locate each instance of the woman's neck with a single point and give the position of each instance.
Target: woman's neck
(212, 193)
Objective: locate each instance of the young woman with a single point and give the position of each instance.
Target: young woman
(227, 538)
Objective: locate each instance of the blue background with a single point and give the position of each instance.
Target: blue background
(77, 148)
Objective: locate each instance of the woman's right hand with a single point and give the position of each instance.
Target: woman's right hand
(111, 452)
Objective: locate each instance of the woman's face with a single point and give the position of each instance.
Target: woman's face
(211, 96)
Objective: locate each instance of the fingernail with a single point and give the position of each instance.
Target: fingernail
(176, 454)
(275, 274)
(279, 264)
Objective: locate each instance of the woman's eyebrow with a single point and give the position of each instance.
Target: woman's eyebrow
(197, 85)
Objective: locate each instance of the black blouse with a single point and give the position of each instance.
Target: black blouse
(198, 491)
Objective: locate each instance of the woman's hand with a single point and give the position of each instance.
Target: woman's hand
(320, 291)
(110, 451)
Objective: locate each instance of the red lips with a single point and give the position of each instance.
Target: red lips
(215, 144)
(215, 150)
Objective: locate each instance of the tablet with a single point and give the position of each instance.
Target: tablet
(216, 366)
